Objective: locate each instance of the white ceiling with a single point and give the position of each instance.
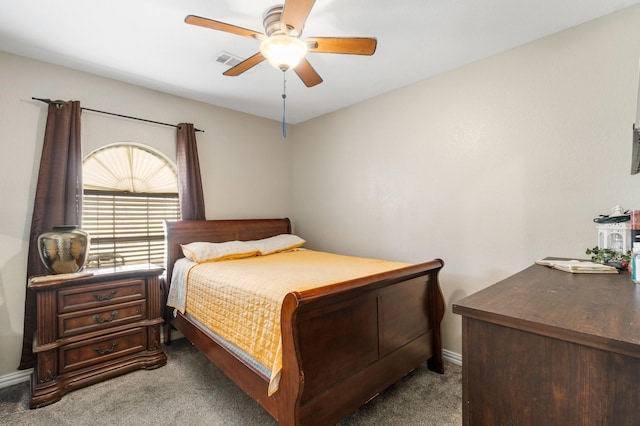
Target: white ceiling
(147, 43)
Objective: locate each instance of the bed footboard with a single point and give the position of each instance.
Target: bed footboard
(344, 345)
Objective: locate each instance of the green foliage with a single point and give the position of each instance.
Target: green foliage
(599, 255)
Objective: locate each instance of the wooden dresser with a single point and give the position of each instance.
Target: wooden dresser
(93, 328)
(546, 347)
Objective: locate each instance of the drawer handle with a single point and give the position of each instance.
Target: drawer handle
(99, 320)
(106, 351)
(103, 298)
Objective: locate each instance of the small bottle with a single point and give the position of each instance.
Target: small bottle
(635, 263)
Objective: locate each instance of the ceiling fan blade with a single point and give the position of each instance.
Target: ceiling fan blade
(347, 45)
(244, 65)
(294, 15)
(221, 26)
(307, 74)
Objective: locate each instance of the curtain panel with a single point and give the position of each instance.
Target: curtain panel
(58, 199)
(189, 180)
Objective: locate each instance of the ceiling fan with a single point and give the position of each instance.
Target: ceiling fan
(281, 42)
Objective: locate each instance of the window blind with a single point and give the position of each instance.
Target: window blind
(127, 228)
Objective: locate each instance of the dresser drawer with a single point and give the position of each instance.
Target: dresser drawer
(101, 349)
(97, 319)
(100, 294)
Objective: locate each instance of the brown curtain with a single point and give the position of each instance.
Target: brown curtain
(189, 180)
(58, 198)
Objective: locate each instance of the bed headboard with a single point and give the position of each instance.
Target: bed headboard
(217, 231)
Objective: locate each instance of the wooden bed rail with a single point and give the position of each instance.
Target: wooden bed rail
(371, 282)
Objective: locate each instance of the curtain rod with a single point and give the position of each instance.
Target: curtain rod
(49, 101)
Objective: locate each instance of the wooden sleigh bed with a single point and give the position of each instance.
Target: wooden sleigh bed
(341, 344)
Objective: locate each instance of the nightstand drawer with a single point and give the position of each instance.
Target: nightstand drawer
(92, 296)
(93, 351)
(96, 319)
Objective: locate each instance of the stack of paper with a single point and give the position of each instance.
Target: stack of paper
(579, 266)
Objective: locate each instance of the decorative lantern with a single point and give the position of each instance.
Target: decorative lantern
(614, 230)
(614, 236)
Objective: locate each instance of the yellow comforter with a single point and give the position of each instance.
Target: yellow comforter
(240, 300)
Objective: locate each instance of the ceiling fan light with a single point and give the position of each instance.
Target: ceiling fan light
(282, 51)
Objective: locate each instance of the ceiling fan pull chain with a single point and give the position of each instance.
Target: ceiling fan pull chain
(284, 102)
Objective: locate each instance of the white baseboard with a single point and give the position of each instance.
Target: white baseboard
(15, 378)
(452, 357)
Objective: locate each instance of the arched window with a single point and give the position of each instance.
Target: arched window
(129, 189)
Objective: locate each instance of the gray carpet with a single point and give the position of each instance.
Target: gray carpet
(189, 390)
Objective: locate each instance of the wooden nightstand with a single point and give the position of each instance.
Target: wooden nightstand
(96, 327)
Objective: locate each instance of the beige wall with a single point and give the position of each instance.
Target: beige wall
(246, 165)
(490, 167)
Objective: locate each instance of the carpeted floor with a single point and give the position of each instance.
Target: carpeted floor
(189, 390)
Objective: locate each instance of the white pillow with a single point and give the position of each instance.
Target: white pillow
(277, 243)
(210, 252)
